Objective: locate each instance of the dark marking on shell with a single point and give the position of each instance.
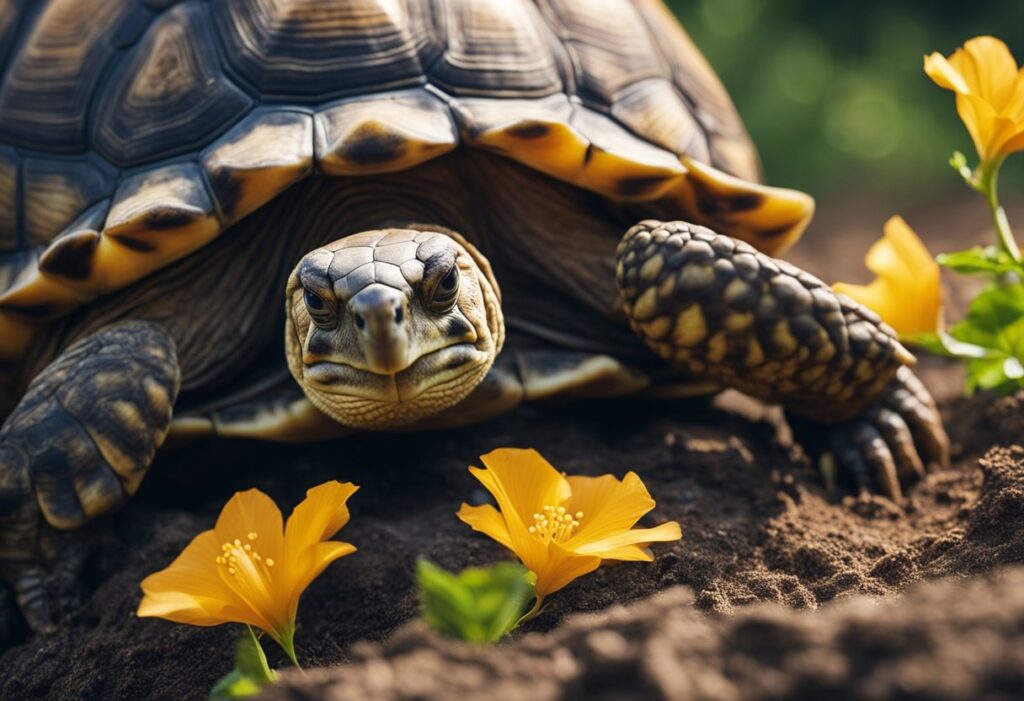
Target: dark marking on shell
(588, 154)
(629, 187)
(227, 189)
(715, 203)
(132, 244)
(529, 130)
(370, 145)
(165, 218)
(72, 257)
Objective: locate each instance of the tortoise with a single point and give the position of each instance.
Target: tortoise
(439, 192)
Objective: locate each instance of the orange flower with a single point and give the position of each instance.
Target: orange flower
(989, 91)
(251, 568)
(906, 291)
(562, 527)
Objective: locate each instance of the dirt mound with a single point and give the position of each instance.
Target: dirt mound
(944, 640)
(757, 527)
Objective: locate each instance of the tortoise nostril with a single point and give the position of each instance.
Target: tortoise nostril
(399, 315)
(360, 321)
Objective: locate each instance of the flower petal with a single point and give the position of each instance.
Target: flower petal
(486, 519)
(528, 480)
(317, 559)
(614, 546)
(315, 520)
(944, 74)
(191, 590)
(907, 292)
(522, 482)
(608, 505)
(247, 512)
(990, 69)
(563, 566)
(319, 516)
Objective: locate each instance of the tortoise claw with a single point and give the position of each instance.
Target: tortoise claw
(892, 442)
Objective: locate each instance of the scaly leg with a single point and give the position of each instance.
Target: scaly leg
(77, 446)
(718, 309)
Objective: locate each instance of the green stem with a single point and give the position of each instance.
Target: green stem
(288, 645)
(532, 613)
(988, 186)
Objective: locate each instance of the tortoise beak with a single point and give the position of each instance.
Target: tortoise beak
(381, 317)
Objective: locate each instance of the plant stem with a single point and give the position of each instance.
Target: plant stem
(532, 613)
(288, 644)
(988, 186)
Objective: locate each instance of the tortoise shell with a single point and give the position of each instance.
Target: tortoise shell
(133, 132)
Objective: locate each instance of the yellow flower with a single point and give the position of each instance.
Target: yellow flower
(989, 94)
(251, 568)
(906, 291)
(562, 527)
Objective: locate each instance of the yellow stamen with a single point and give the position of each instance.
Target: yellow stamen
(270, 563)
(555, 524)
(252, 535)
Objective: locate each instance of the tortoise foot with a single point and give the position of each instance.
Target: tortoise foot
(889, 446)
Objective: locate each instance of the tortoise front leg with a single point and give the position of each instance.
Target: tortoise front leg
(719, 309)
(76, 447)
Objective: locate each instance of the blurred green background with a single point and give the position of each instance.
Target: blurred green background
(834, 94)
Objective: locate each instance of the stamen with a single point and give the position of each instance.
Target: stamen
(270, 563)
(252, 536)
(555, 524)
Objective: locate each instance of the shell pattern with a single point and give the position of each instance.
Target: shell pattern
(133, 132)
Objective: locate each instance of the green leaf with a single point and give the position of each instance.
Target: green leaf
(251, 672)
(987, 260)
(995, 323)
(478, 605)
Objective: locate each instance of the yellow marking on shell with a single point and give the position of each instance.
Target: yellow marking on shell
(266, 155)
(156, 393)
(690, 328)
(646, 304)
(782, 338)
(658, 328)
(651, 267)
(383, 133)
(571, 143)
(717, 347)
(865, 370)
(769, 218)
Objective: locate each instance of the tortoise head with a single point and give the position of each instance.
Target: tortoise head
(388, 327)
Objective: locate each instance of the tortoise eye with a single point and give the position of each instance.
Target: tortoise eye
(319, 311)
(446, 291)
(314, 302)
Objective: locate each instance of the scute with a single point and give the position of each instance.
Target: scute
(56, 193)
(496, 48)
(318, 49)
(259, 159)
(46, 93)
(171, 97)
(609, 43)
(383, 133)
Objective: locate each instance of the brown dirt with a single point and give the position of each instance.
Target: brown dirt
(757, 527)
(944, 640)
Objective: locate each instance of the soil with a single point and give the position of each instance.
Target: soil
(758, 529)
